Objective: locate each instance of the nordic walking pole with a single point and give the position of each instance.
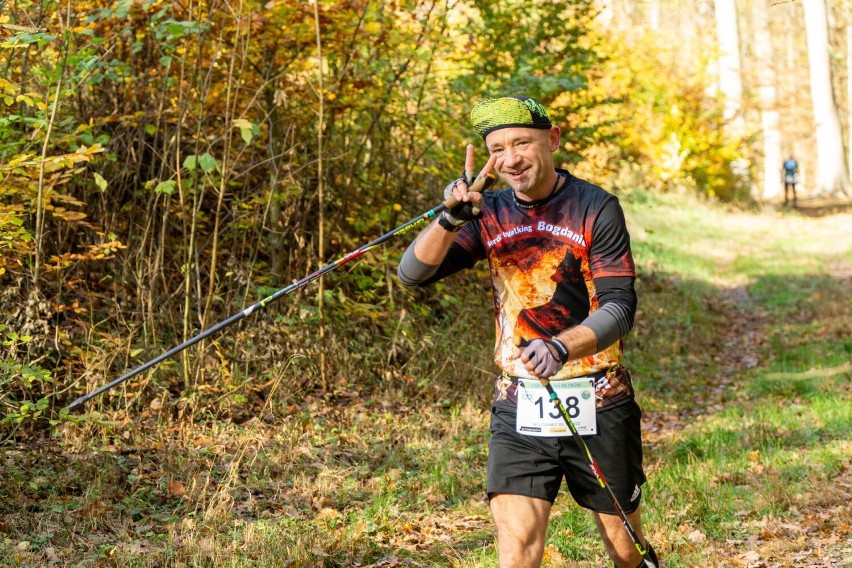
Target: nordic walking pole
(482, 182)
(597, 471)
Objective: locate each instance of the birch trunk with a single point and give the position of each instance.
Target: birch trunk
(769, 116)
(831, 175)
(730, 80)
(606, 15)
(654, 15)
(849, 92)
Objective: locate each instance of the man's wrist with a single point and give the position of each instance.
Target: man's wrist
(562, 349)
(448, 225)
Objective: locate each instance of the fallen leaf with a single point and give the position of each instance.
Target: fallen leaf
(176, 488)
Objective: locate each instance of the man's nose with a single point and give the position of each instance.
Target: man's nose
(511, 157)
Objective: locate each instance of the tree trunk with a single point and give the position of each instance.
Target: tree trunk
(831, 175)
(606, 13)
(730, 80)
(849, 92)
(654, 15)
(768, 102)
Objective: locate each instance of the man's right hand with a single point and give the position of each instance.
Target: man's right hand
(465, 203)
(463, 211)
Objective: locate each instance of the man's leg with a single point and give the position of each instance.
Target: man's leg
(521, 524)
(619, 545)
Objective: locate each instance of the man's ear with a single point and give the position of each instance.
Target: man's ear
(553, 134)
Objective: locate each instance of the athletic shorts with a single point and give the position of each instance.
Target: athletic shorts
(535, 467)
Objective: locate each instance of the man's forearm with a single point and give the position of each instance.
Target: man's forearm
(424, 255)
(433, 243)
(580, 340)
(598, 331)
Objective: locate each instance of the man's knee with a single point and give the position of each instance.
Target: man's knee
(519, 547)
(521, 525)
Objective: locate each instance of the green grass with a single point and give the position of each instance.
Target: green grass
(776, 439)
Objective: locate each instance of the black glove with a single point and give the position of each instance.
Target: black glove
(454, 218)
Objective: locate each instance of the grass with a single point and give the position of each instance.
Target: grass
(741, 353)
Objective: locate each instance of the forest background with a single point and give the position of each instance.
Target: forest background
(165, 164)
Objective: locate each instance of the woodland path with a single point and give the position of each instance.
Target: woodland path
(820, 533)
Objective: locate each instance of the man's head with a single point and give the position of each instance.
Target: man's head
(518, 131)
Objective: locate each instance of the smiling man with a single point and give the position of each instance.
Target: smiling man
(563, 279)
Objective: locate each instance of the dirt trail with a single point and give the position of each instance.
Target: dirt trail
(818, 533)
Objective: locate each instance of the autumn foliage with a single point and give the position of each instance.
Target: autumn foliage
(164, 164)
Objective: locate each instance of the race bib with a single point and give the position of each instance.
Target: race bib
(538, 416)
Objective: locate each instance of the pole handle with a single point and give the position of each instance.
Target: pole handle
(481, 184)
(483, 181)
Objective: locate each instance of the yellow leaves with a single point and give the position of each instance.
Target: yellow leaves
(247, 129)
(67, 199)
(552, 556)
(328, 514)
(100, 181)
(373, 28)
(66, 215)
(20, 163)
(29, 99)
(99, 251)
(754, 464)
(62, 213)
(15, 240)
(8, 91)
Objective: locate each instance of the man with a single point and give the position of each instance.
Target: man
(791, 168)
(563, 276)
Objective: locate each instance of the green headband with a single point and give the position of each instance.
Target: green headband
(508, 112)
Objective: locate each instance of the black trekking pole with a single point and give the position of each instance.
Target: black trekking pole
(482, 182)
(641, 548)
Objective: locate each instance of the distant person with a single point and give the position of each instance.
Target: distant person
(791, 170)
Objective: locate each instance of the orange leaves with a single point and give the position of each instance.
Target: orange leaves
(31, 175)
(99, 251)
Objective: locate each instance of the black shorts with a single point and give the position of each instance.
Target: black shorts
(535, 467)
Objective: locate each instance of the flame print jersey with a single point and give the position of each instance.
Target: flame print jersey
(543, 262)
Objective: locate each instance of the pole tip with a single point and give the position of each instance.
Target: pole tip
(77, 402)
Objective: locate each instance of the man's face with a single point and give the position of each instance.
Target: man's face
(525, 158)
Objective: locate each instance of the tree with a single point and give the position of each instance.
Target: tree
(768, 100)
(730, 79)
(849, 88)
(731, 86)
(831, 176)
